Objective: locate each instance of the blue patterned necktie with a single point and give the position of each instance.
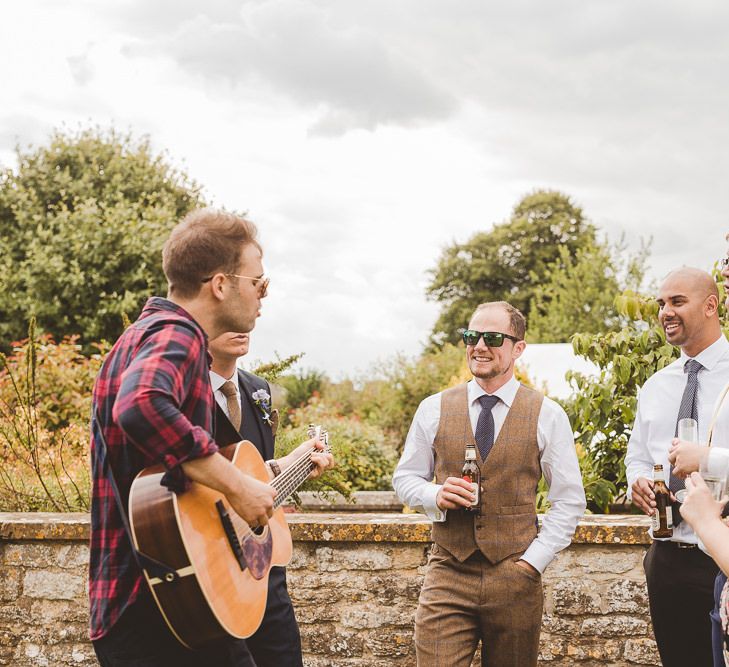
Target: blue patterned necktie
(688, 409)
(485, 427)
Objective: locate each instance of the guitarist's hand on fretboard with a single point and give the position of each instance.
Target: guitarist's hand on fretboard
(316, 449)
(322, 459)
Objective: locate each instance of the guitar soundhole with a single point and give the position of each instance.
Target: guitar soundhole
(257, 554)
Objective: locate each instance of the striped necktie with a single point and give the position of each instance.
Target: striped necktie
(688, 409)
(485, 427)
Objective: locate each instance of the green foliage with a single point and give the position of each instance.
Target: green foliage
(82, 224)
(272, 370)
(368, 420)
(302, 386)
(62, 378)
(599, 491)
(508, 262)
(602, 409)
(391, 399)
(43, 445)
(365, 462)
(577, 293)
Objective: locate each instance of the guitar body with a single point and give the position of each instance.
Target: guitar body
(218, 593)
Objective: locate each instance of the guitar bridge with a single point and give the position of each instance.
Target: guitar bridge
(231, 534)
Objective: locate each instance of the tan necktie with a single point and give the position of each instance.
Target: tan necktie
(231, 399)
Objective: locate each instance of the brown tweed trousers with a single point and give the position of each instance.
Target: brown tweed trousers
(473, 589)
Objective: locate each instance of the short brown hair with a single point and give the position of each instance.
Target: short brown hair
(205, 242)
(516, 319)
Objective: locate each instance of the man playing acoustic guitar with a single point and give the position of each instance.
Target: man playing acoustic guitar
(153, 404)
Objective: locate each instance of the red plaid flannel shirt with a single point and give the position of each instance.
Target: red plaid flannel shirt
(155, 405)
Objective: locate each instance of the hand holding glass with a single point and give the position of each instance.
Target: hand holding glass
(688, 431)
(714, 471)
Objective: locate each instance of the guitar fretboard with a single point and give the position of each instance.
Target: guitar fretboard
(292, 478)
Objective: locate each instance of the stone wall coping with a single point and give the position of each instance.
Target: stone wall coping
(333, 527)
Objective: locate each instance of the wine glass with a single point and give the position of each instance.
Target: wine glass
(714, 472)
(688, 430)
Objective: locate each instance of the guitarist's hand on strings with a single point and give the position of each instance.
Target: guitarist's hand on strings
(321, 459)
(253, 500)
(249, 498)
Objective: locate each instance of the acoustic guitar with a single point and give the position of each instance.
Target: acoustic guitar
(221, 563)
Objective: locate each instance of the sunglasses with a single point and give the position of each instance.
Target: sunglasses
(261, 283)
(491, 338)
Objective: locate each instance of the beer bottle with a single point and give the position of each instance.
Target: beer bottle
(663, 516)
(471, 473)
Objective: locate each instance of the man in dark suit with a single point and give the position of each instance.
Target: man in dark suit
(243, 412)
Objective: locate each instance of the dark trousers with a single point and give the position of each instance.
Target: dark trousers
(717, 633)
(277, 642)
(140, 638)
(681, 595)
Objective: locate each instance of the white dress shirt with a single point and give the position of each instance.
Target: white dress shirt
(218, 381)
(558, 459)
(659, 400)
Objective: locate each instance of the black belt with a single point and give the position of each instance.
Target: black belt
(678, 545)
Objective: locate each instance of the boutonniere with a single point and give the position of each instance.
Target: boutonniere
(263, 400)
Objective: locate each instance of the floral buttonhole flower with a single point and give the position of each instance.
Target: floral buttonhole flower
(263, 400)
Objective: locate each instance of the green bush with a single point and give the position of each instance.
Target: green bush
(62, 382)
(365, 461)
(44, 435)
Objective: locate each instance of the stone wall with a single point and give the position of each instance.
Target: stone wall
(354, 580)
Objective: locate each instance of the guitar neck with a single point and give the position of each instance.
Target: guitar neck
(292, 478)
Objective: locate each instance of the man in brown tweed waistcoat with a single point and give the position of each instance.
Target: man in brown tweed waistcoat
(483, 580)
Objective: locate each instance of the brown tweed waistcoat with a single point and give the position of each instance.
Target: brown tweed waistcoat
(509, 478)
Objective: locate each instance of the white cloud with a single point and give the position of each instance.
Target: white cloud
(362, 137)
(291, 45)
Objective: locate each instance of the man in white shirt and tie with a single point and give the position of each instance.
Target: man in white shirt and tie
(679, 575)
(483, 580)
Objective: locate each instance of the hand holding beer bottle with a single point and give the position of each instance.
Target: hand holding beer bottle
(662, 518)
(462, 492)
(472, 474)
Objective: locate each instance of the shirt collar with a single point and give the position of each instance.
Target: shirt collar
(506, 392)
(218, 381)
(710, 356)
(155, 304)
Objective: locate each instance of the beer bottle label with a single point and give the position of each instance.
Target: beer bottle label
(669, 516)
(474, 489)
(655, 520)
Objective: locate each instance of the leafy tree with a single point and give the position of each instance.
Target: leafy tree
(508, 262)
(576, 294)
(82, 224)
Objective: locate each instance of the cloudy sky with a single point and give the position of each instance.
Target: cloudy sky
(363, 137)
